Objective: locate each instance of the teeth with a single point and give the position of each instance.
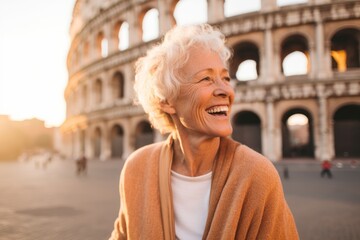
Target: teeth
(218, 109)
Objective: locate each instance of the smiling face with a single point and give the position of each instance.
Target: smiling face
(204, 102)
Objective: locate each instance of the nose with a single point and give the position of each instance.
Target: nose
(223, 89)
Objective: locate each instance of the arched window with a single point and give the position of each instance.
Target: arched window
(247, 71)
(298, 125)
(297, 134)
(347, 131)
(102, 45)
(123, 36)
(236, 7)
(295, 58)
(144, 134)
(150, 25)
(117, 141)
(98, 91)
(118, 85)
(97, 142)
(247, 129)
(345, 50)
(190, 12)
(295, 63)
(245, 63)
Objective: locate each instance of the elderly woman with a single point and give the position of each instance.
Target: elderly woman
(199, 184)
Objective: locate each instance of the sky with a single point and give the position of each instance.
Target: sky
(34, 42)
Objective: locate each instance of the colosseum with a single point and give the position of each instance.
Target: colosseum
(295, 69)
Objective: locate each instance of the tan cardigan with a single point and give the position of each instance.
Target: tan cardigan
(246, 199)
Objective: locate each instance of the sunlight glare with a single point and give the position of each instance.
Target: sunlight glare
(150, 25)
(295, 63)
(187, 12)
(247, 71)
(297, 119)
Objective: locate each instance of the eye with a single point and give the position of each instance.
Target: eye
(227, 79)
(207, 78)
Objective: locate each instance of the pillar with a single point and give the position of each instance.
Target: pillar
(166, 19)
(268, 5)
(320, 60)
(215, 11)
(269, 143)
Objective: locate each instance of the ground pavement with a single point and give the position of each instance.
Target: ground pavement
(50, 202)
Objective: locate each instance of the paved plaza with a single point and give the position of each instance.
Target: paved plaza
(53, 203)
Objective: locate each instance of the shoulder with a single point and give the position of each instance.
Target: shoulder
(142, 158)
(254, 165)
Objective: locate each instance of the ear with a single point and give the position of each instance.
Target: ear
(167, 107)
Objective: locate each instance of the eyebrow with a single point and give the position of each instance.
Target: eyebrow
(224, 70)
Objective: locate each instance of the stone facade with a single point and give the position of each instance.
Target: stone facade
(103, 123)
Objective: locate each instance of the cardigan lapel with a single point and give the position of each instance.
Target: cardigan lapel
(221, 171)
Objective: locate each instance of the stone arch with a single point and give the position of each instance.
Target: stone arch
(117, 85)
(299, 141)
(247, 129)
(346, 129)
(243, 51)
(123, 36)
(117, 141)
(101, 44)
(97, 137)
(98, 89)
(84, 97)
(144, 134)
(295, 43)
(149, 19)
(345, 49)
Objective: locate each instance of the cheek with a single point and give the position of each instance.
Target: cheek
(192, 103)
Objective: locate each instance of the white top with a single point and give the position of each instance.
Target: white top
(191, 203)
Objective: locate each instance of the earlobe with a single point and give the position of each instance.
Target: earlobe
(167, 107)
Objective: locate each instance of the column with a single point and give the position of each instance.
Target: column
(92, 55)
(215, 11)
(324, 144)
(313, 61)
(320, 60)
(128, 136)
(166, 19)
(135, 27)
(89, 147)
(269, 142)
(268, 5)
(105, 143)
(267, 62)
(107, 90)
(109, 36)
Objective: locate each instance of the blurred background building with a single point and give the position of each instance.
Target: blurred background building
(295, 67)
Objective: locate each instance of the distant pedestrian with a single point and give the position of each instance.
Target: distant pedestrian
(326, 166)
(286, 172)
(81, 164)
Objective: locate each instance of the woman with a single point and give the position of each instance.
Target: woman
(199, 184)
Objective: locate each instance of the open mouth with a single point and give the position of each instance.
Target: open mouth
(218, 110)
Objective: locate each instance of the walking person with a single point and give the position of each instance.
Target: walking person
(326, 169)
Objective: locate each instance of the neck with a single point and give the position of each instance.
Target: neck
(194, 156)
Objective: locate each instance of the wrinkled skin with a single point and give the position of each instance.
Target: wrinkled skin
(201, 112)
